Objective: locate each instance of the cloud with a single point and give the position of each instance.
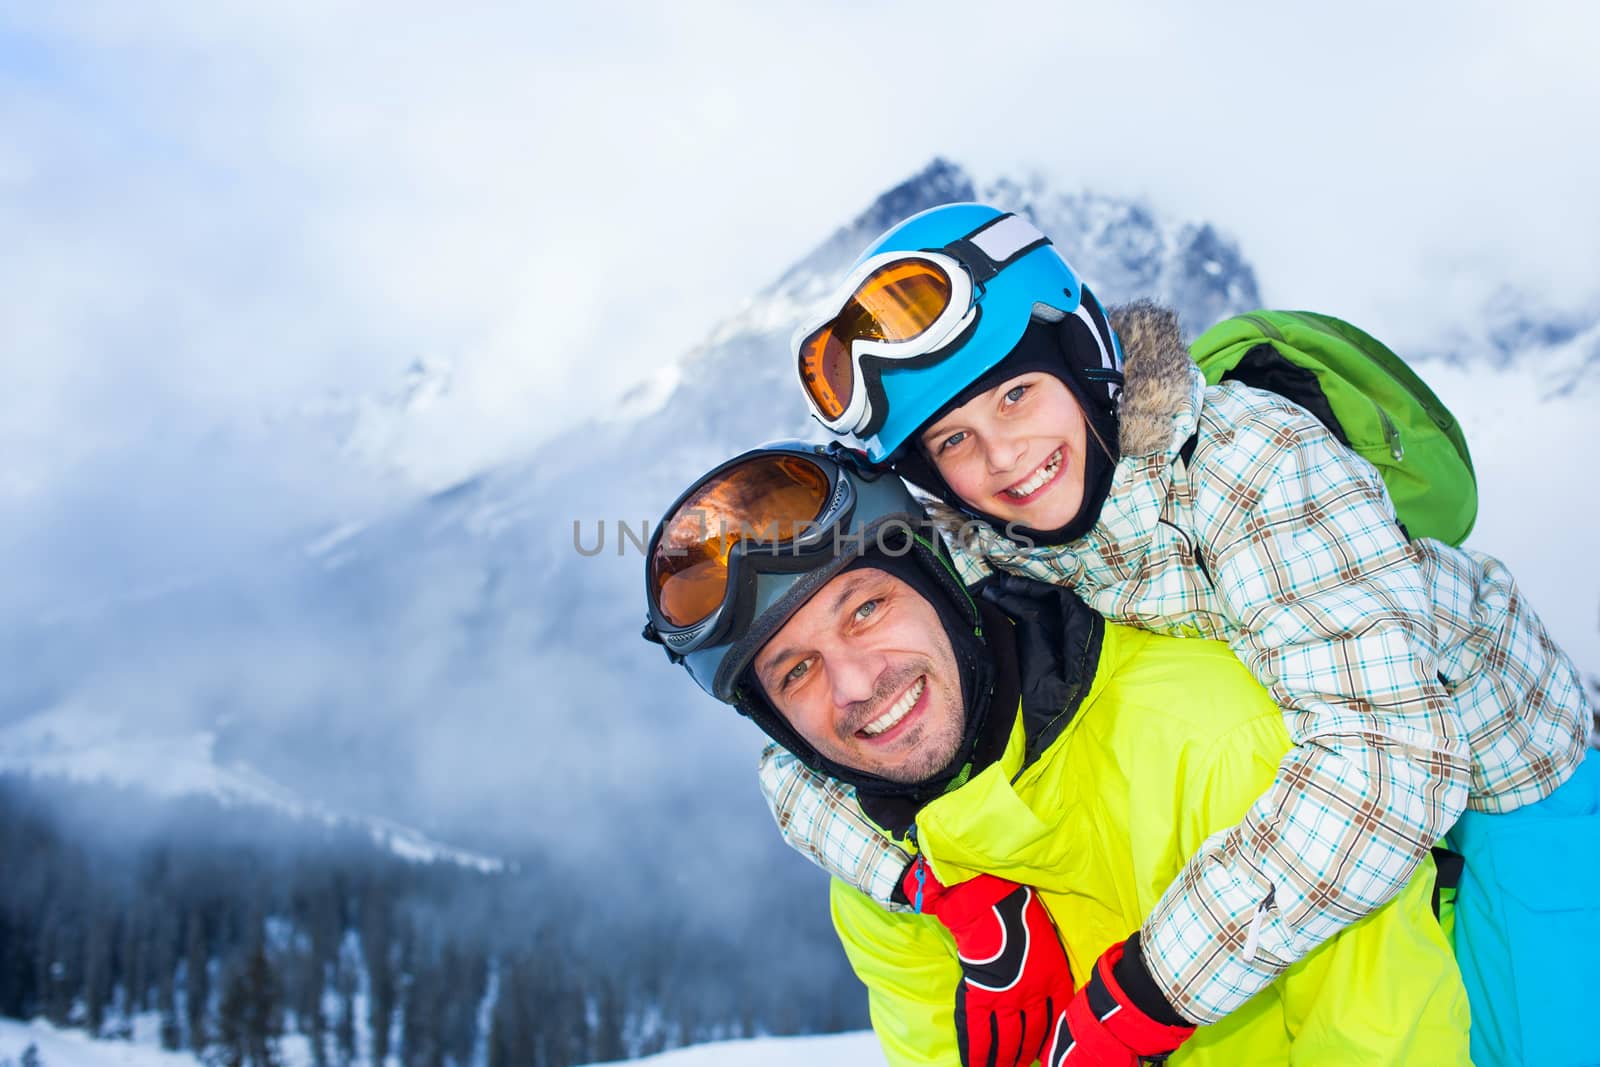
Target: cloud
(233, 229)
(220, 213)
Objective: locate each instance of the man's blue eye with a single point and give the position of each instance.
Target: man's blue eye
(867, 609)
(796, 672)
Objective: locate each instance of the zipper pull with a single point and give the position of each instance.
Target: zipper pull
(1252, 938)
(919, 865)
(1391, 434)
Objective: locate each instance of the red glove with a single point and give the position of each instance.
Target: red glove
(1102, 1027)
(1015, 977)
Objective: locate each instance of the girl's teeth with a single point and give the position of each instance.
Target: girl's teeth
(898, 712)
(1038, 478)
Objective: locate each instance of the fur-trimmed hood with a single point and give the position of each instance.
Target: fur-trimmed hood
(1157, 375)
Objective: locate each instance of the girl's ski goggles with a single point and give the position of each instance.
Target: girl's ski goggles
(904, 309)
(749, 541)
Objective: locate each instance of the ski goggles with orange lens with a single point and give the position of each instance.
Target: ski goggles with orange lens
(752, 539)
(903, 309)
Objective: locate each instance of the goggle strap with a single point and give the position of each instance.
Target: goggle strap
(651, 634)
(994, 246)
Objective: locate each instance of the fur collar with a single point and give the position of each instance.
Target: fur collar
(1156, 371)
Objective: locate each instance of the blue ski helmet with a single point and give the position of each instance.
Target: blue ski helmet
(1033, 282)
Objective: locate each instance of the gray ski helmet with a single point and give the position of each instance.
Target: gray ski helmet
(716, 594)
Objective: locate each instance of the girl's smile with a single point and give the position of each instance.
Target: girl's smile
(1016, 452)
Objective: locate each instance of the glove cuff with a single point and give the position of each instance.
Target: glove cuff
(1142, 1032)
(959, 905)
(1141, 987)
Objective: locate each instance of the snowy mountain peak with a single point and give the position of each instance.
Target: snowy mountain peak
(81, 745)
(940, 182)
(1122, 248)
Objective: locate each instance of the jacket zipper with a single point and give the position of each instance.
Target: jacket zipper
(1252, 937)
(1391, 434)
(1265, 326)
(1194, 550)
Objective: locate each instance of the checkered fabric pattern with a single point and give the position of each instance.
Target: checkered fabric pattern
(1414, 680)
(820, 818)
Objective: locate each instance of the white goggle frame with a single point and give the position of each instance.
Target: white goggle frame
(1002, 240)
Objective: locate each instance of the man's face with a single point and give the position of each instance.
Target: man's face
(864, 672)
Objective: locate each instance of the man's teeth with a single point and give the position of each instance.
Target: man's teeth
(898, 712)
(1038, 477)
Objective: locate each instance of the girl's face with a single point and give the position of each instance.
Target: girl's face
(1015, 452)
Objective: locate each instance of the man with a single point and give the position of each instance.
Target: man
(1053, 771)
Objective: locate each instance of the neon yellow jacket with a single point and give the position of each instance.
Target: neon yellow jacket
(1172, 744)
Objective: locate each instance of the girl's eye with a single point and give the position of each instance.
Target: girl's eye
(1014, 394)
(953, 440)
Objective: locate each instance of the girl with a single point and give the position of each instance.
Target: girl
(1087, 450)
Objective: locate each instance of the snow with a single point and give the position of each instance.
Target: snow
(647, 397)
(83, 745)
(859, 1049)
(1530, 426)
(74, 1048)
(411, 845)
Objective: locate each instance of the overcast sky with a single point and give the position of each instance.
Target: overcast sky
(216, 215)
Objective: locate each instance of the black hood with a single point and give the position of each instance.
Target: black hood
(1059, 349)
(929, 574)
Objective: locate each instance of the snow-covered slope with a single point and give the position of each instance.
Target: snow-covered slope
(85, 745)
(73, 1048)
(833, 1050)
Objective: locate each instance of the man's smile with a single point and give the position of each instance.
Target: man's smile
(897, 712)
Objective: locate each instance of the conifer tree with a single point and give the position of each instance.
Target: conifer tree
(56, 975)
(133, 960)
(376, 948)
(609, 1022)
(164, 960)
(197, 982)
(249, 1023)
(96, 973)
(345, 1030)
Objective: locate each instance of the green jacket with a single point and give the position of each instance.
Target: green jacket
(1171, 744)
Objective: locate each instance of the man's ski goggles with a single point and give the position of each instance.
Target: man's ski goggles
(766, 502)
(904, 309)
(752, 539)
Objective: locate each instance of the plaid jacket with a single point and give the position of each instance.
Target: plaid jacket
(1414, 680)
